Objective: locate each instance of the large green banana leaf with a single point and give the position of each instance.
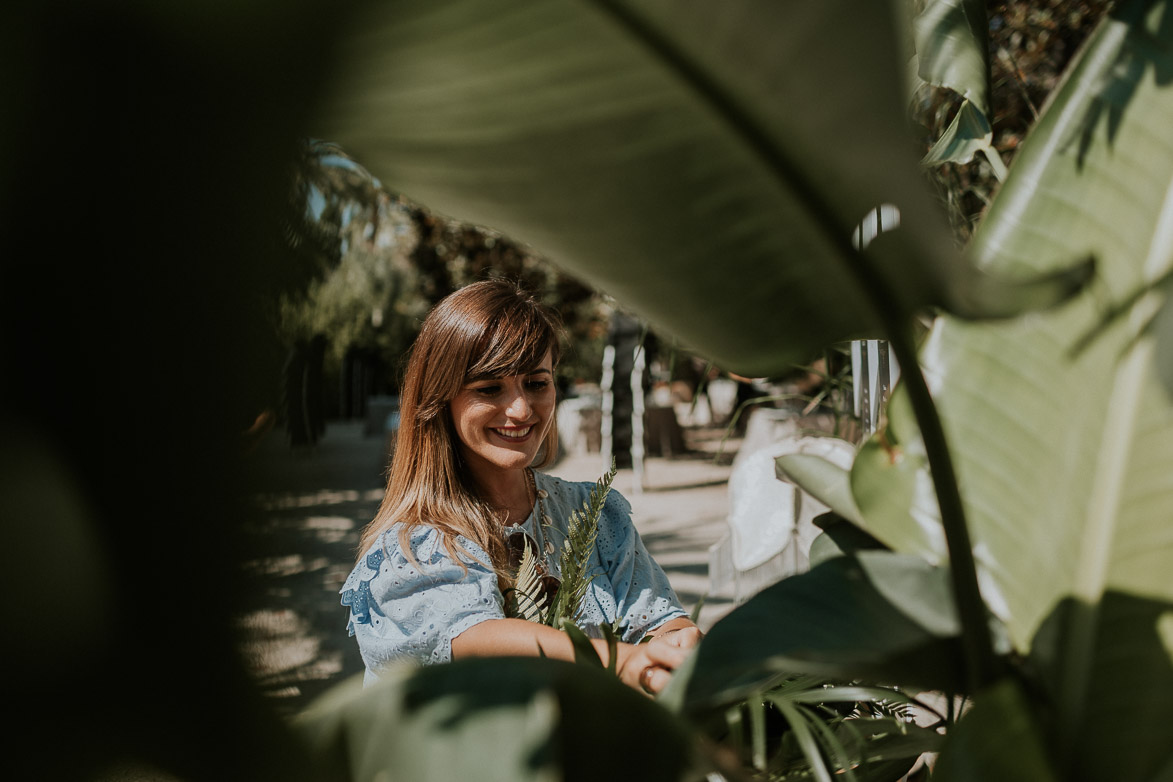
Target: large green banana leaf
(508, 719)
(705, 163)
(952, 48)
(876, 615)
(1064, 445)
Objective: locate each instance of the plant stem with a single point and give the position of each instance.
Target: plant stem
(977, 642)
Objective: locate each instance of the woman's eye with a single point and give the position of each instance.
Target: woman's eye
(538, 385)
(487, 390)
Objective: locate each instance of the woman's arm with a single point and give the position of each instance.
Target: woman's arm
(646, 667)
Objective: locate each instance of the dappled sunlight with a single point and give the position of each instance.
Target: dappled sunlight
(300, 539)
(324, 497)
(289, 565)
(282, 652)
(332, 529)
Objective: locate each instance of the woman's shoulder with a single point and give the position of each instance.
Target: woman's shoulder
(573, 495)
(420, 538)
(424, 547)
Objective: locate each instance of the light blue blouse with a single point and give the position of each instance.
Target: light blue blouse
(399, 612)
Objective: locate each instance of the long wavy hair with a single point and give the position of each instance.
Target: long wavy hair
(491, 328)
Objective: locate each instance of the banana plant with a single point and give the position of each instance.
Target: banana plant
(1061, 425)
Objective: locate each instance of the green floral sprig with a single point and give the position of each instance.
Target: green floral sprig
(574, 561)
(528, 599)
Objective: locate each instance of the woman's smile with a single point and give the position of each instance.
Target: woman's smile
(518, 433)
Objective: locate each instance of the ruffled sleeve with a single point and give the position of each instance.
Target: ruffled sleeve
(400, 612)
(644, 599)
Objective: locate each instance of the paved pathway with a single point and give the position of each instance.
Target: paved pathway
(312, 504)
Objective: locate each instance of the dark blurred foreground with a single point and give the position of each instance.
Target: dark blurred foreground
(144, 181)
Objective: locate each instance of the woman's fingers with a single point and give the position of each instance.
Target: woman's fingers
(654, 679)
(648, 666)
(665, 654)
(685, 637)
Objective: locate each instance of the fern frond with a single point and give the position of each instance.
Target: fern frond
(529, 599)
(582, 531)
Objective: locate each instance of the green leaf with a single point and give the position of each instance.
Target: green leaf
(804, 734)
(401, 730)
(824, 547)
(1163, 334)
(1065, 458)
(821, 478)
(527, 599)
(967, 134)
(836, 621)
(577, 550)
(998, 739)
(893, 489)
(889, 739)
(584, 651)
(612, 648)
(634, 144)
(840, 537)
(494, 719)
(923, 593)
(951, 39)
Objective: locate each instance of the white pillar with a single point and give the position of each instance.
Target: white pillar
(637, 417)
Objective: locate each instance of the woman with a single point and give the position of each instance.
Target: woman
(476, 414)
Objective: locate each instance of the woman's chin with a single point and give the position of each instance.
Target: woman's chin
(510, 459)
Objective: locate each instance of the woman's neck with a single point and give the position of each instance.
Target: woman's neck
(509, 493)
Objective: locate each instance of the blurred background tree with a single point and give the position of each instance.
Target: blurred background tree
(384, 261)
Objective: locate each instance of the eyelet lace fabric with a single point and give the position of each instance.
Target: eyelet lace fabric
(401, 613)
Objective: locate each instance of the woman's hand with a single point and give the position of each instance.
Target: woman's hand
(649, 666)
(686, 635)
(645, 666)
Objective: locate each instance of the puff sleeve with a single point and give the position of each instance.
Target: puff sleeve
(644, 599)
(401, 612)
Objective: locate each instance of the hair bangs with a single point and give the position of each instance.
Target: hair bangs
(514, 344)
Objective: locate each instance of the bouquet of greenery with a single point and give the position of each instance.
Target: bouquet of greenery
(530, 598)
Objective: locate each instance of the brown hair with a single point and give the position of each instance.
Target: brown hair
(484, 330)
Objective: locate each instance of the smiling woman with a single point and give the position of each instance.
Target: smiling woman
(476, 417)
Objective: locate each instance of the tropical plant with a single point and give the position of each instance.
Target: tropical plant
(956, 605)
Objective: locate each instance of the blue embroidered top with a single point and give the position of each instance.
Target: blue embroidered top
(399, 612)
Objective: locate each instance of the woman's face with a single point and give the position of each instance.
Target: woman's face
(501, 422)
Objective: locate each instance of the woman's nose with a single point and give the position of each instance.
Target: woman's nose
(519, 406)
